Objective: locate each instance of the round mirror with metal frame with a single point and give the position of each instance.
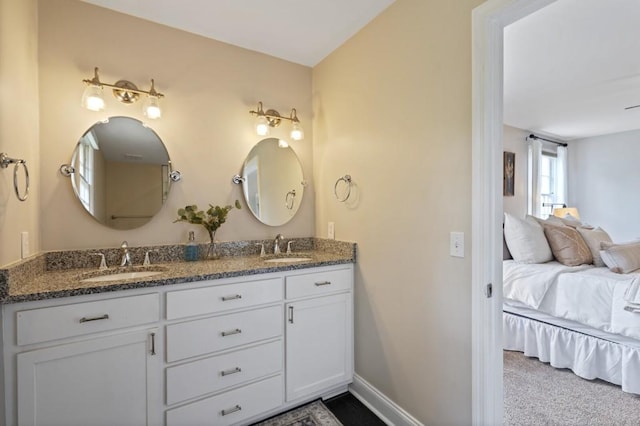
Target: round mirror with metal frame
(272, 182)
(121, 172)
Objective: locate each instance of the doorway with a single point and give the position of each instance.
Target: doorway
(489, 21)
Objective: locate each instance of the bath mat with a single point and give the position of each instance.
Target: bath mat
(313, 414)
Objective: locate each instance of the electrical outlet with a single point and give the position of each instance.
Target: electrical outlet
(331, 231)
(24, 244)
(457, 244)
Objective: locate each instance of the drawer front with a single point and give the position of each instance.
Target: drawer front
(230, 407)
(318, 283)
(212, 374)
(200, 301)
(199, 337)
(58, 322)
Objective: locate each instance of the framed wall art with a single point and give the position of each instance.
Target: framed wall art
(509, 164)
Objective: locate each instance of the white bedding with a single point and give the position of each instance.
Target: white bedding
(585, 294)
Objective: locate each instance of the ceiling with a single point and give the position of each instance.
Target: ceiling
(300, 31)
(572, 67)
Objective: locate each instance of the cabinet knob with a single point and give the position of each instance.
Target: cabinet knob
(234, 297)
(102, 317)
(230, 410)
(153, 343)
(229, 372)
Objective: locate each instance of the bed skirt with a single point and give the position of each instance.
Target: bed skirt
(587, 356)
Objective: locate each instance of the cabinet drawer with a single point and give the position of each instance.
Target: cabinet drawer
(212, 374)
(199, 337)
(199, 301)
(318, 283)
(57, 322)
(230, 407)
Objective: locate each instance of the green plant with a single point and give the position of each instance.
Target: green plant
(211, 219)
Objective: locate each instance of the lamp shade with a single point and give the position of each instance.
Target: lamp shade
(92, 98)
(262, 126)
(297, 134)
(563, 212)
(151, 107)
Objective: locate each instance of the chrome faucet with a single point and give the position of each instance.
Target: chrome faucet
(126, 256)
(276, 244)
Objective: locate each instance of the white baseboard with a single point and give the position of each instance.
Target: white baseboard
(387, 410)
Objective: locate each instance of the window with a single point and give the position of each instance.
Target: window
(548, 191)
(85, 171)
(547, 179)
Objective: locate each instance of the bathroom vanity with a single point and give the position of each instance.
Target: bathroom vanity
(219, 348)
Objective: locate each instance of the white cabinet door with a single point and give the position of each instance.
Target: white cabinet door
(319, 344)
(105, 381)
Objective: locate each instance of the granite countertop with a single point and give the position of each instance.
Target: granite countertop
(46, 277)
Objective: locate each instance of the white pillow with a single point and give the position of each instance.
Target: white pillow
(621, 258)
(593, 238)
(525, 240)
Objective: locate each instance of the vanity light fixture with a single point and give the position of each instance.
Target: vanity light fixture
(125, 91)
(272, 118)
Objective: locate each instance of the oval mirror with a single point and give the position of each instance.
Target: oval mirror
(121, 172)
(273, 182)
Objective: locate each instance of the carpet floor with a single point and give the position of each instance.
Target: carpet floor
(537, 394)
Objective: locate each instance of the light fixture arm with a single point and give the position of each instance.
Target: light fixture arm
(95, 81)
(273, 116)
(294, 116)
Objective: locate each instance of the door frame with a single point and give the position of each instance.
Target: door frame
(488, 22)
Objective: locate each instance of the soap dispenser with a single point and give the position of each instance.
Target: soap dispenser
(191, 249)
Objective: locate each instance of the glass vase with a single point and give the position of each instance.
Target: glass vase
(212, 250)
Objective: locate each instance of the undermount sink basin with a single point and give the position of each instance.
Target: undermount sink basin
(123, 275)
(287, 259)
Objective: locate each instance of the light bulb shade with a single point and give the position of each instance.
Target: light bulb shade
(297, 134)
(92, 98)
(283, 144)
(151, 107)
(262, 126)
(563, 212)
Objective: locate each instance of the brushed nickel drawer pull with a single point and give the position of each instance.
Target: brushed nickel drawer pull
(291, 314)
(230, 410)
(103, 317)
(323, 283)
(234, 297)
(153, 343)
(231, 333)
(229, 372)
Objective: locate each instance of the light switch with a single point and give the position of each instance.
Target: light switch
(457, 244)
(331, 231)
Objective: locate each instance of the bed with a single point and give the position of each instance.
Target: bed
(579, 317)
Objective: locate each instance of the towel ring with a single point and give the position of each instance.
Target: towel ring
(289, 199)
(5, 160)
(347, 180)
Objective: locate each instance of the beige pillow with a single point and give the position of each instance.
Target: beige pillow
(567, 245)
(593, 238)
(621, 258)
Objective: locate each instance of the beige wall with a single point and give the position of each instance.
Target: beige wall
(392, 107)
(18, 124)
(515, 141)
(209, 87)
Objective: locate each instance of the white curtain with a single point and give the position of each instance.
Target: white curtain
(534, 204)
(561, 176)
